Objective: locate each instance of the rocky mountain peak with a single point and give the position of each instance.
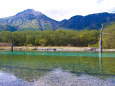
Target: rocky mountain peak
(30, 11)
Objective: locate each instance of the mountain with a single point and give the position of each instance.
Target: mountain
(34, 20)
(89, 22)
(29, 19)
(4, 27)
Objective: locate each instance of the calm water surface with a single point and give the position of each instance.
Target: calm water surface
(57, 69)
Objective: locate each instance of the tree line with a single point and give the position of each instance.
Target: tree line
(51, 38)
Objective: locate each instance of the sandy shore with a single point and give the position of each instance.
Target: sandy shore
(55, 48)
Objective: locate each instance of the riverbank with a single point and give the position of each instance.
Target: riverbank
(55, 48)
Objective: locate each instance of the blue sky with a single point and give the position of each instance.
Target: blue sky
(57, 9)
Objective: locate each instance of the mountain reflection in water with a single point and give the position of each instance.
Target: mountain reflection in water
(8, 79)
(57, 69)
(57, 77)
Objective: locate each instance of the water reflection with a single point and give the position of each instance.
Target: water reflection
(57, 77)
(10, 61)
(56, 69)
(8, 79)
(100, 60)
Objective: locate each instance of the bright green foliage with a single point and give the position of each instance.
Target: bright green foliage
(36, 42)
(109, 36)
(43, 42)
(30, 39)
(51, 38)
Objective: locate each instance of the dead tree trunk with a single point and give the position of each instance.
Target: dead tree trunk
(100, 42)
(12, 46)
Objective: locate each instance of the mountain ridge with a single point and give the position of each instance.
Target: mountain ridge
(30, 19)
(92, 21)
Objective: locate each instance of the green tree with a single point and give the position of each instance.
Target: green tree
(43, 42)
(30, 39)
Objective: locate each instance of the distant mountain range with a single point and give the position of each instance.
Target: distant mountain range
(90, 22)
(34, 20)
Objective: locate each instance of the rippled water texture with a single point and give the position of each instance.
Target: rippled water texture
(57, 69)
(60, 78)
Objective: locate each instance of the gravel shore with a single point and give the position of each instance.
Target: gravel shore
(39, 48)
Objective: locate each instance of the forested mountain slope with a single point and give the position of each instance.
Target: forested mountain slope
(29, 19)
(34, 20)
(89, 22)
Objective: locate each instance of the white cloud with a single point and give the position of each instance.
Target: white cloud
(56, 9)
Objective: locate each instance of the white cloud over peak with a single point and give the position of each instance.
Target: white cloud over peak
(57, 9)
